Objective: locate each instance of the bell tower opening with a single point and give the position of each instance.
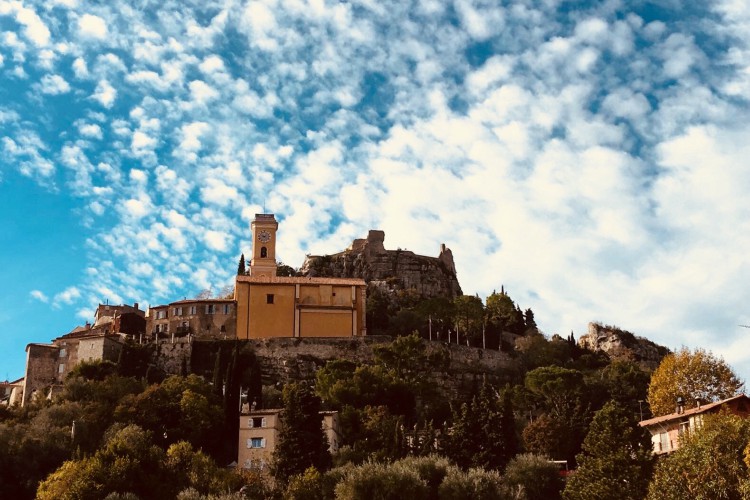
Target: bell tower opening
(263, 262)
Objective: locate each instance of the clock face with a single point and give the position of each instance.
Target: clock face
(264, 236)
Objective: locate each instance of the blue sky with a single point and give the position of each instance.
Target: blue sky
(589, 156)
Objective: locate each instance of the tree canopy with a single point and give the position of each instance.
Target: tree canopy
(696, 376)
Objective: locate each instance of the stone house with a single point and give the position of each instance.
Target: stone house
(667, 430)
(259, 432)
(47, 365)
(204, 318)
(11, 392)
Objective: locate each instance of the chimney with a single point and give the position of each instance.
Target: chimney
(135, 305)
(680, 405)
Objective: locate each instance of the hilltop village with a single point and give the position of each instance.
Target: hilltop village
(365, 365)
(322, 302)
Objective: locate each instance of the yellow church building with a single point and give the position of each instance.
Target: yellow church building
(276, 306)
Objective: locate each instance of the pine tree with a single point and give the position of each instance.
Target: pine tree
(616, 461)
(301, 442)
(241, 267)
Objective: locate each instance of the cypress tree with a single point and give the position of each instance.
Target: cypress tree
(241, 267)
(301, 443)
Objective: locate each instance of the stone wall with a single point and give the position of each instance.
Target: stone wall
(399, 269)
(42, 361)
(294, 359)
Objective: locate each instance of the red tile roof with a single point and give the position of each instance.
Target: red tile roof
(691, 411)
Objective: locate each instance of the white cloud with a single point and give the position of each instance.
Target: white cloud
(67, 296)
(34, 28)
(54, 85)
(90, 130)
(202, 92)
(141, 140)
(217, 192)
(137, 208)
(40, 296)
(191, 134)
(91, 26)
(80, 69)
(217, 240)
(105, 94)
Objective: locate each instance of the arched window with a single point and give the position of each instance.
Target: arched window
(263, 252)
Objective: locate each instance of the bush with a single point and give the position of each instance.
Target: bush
(374, 481)
(533, 477)
(474, 483)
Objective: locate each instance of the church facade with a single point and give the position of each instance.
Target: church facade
(275, 306)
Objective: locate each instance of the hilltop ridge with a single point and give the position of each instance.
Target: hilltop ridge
(398, 269)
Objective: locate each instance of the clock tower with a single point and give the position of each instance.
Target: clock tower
(263, 262)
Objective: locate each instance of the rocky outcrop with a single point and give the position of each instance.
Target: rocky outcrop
(397, 269)
(622, 345)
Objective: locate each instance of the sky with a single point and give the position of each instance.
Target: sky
(590, 157)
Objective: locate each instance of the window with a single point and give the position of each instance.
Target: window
(664, 441)
(163, 328)
(256, 443)
(161, 314)
(256, 422)
(177, 311)
(61, 368)
(193, 309)
(227, 308)
(263, 252)
(269, 298)
(210, 308)
(62, 353)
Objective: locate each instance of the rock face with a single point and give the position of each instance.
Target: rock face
(397, 269)
(623, 345)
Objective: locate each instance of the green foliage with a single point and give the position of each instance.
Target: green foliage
(375, 481)
(128, 463)
(616, 461)
(176, 410)
(533, 477)
(469, 318)
(557, 389)
(310, 485)
(284, 270)
(301, 441)
(708, 465)
(504, 315)
(474, 483)
(241, 266)
(93, 370)
(483, 433)
(625, 382)
(695, 376)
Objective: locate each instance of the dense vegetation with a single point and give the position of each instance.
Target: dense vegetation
(126, 431)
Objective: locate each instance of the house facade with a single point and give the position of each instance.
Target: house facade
(259, 433)
(47, 365)
(667, 430)
(205, 318)
(276, 306)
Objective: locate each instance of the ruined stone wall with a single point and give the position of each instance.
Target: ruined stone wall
(399, 269)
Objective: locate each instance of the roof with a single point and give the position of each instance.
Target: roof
(194, 301)
(692, 411)
(296, 280)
